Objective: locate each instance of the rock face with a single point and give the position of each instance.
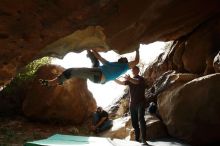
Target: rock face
(71, 102)
(193, 53)
(122, 129)
(191, 110)
(162, 64)
(216, 63)
(28, 28)
(201, 45)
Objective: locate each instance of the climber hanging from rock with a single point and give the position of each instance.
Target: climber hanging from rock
(98, 73)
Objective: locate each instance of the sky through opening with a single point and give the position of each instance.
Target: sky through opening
(105, 94)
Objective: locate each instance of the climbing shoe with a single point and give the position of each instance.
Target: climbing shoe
(94, 60)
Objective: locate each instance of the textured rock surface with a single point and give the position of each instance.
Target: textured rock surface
(202, 44)
(155, 128)
(27, 27)
(193, 53)
(216, 63)
(71, 102)
(32, 29)
(158, 67)
(191, 110)
(121, 128)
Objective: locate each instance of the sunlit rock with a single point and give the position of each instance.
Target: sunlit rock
(191, 110)
(157, 68)
(28, 28)
(216, 63)
(121, 129)
(193, 53)
(71, 102)
(81, 39)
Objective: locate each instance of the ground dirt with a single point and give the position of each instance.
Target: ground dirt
(15, 131)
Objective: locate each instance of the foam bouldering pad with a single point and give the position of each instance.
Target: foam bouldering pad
(69, 140)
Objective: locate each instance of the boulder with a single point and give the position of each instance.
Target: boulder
(155, 128)
(33, 29)
(200, 46)
(71, 102)
(121, 129)
(191, 110)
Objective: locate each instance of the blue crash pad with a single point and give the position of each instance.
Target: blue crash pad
(69, 140)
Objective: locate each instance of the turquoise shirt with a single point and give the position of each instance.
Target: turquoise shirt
(112, 70)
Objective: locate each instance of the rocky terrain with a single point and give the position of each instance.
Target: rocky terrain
(185, 77)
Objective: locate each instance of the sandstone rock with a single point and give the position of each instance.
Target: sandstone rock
(191, 53)
(165, 81)
(191, 110)
(155, 128)
(200, 45)
(157, 68)
(178, 51)
(29, 27)
(121, 129)
(216, 63)
(210, 65)
(71, 102)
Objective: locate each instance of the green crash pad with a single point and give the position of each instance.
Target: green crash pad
(69, 140)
